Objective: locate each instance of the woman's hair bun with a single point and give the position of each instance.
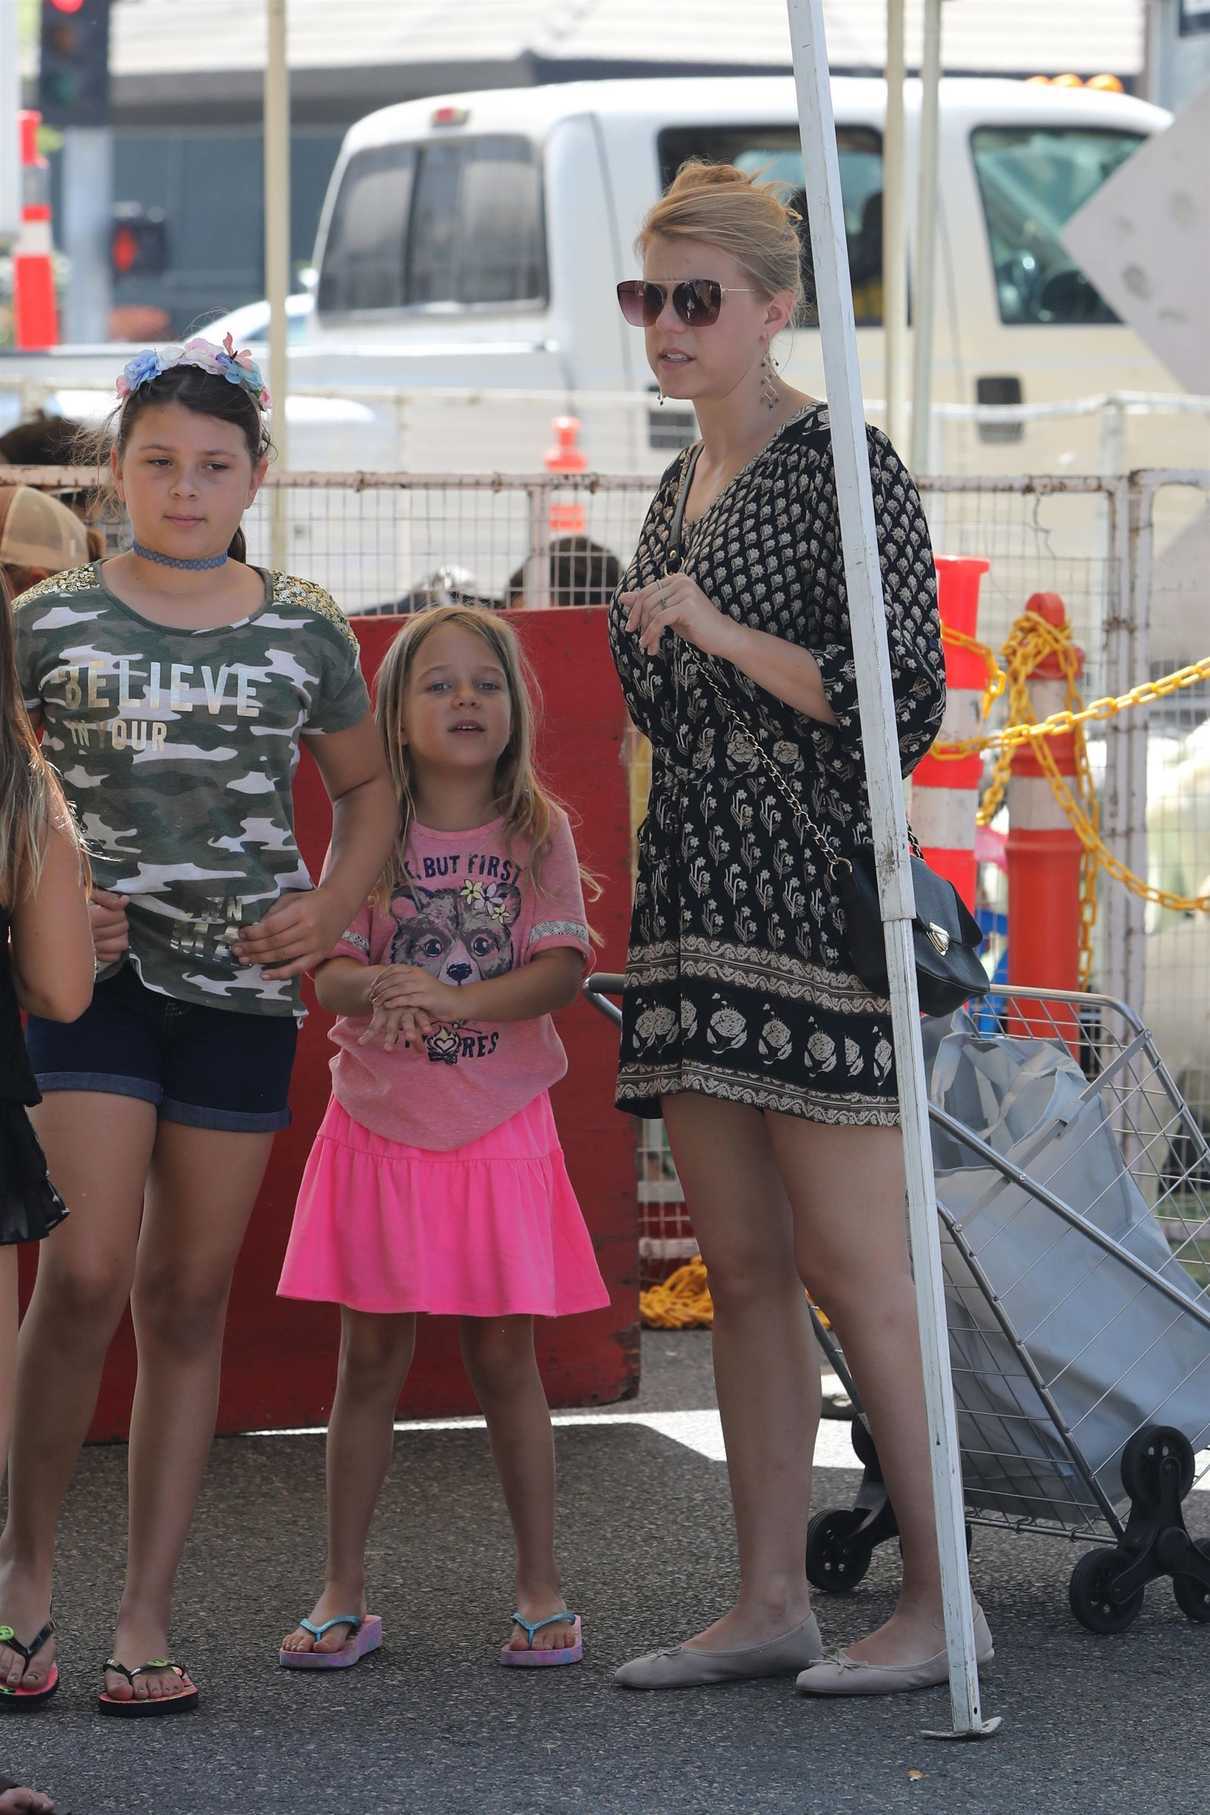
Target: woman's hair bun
(742, 213)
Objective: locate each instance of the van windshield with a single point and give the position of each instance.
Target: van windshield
(1032, 179)
(774, 152)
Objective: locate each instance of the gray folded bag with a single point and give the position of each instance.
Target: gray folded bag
(1111, 1350)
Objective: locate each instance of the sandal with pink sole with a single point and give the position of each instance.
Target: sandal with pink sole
(365, 1635)
(25, 1701)
(531, 1659)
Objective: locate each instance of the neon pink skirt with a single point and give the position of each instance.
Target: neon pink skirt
(491, 1229)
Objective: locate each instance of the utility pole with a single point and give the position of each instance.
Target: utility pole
(73, 94)
(277, 251)
(924, 298)
(894, 226)
(10, 142)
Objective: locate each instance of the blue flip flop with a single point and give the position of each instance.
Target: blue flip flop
(365, 1635)
(531, 1659)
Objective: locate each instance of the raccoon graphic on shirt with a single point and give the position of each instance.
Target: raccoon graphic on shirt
(468, 911)
(458, 935)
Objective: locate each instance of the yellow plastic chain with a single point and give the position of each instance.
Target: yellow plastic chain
(996, 678)
(1030, 639)
(680, 1302)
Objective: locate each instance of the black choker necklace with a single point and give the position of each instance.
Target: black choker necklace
(201, 565)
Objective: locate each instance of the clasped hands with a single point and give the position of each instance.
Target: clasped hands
(406, 1003)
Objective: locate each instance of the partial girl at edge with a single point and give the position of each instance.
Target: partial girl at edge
(46, 959)
(175, 683)
(437, 1183)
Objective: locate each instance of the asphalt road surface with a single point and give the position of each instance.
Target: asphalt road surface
(1092, 1726)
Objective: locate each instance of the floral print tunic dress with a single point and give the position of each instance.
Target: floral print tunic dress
(736, 980)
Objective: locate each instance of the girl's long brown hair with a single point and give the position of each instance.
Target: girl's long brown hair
(31, 800)
(522, 799)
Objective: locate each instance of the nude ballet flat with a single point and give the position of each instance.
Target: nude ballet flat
(845, 1675)
(681, 1668)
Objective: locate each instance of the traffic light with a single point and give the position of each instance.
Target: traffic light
(138, 240)
(73, 76)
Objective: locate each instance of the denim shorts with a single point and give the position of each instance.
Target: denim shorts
(206, 1067)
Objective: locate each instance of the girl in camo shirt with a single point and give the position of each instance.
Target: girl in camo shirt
(174, 683)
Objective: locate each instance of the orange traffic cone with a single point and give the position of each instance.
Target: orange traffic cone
(35, 317)
(566, 456)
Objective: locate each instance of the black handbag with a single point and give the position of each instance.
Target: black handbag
(945, 934)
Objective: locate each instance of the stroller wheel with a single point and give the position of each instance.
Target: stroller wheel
(1089, 1594)
(1152, 1454)
(1192, 1595)
(837, 1558)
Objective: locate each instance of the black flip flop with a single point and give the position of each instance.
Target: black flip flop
(27, 1701)
(137, 1709)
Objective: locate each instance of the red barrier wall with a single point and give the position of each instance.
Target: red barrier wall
(280, 1356)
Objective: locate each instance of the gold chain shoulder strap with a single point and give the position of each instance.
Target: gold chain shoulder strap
(703, 667)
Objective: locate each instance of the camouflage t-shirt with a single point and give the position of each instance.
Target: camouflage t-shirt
(177, 749)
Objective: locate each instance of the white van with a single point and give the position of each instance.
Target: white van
(471, 244)
(475, 241)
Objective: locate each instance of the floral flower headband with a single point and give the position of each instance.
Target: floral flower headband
(220, 362)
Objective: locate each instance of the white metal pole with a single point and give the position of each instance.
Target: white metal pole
(87, 221)
(277, 255)
(924, 296)
(876, 703)
(894, 224)
(10, 139)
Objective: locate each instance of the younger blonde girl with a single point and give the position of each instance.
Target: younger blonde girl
(437, 1183)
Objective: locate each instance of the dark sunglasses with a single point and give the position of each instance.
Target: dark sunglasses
(697, 301)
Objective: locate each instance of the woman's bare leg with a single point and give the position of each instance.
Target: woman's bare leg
(846, 1187)
(503, 1369)
(375, 1356)
(766, 1364)
(97, 1148)
(202, 1186)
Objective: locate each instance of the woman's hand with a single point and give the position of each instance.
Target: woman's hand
(107, 920)
(677, 603)
(295, 935)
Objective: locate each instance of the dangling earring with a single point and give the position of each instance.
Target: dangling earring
(661, 402)
(768, 389)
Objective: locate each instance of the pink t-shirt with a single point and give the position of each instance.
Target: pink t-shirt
(471, 912)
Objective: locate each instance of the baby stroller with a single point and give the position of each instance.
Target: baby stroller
(1075, 1235)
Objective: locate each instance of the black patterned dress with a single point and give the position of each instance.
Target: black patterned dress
(736, 983)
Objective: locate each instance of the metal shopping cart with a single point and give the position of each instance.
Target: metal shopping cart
(1073, 1189)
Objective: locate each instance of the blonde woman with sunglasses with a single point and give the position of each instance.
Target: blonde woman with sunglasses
(743, 1026)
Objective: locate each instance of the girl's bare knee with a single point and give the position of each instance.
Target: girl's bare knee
(84, 1298)
(499, 1354)
(180, 1310)
(374, 1353)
